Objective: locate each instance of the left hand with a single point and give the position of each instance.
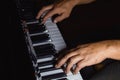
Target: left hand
(63, 8)
(85, 55)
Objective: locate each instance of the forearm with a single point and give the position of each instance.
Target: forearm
(79, 2)
(114, 49)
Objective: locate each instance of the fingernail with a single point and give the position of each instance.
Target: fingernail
(37, 17)
(43, 22)
(75, 72)
(56, 66)
(67, 72)
(55, 21)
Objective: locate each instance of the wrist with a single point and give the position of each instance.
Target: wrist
(74, 2)
(113, 51)
(80, 2)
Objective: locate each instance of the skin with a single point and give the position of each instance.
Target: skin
(63, 8)
(90, 54)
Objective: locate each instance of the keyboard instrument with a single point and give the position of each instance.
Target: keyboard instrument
(45, 42)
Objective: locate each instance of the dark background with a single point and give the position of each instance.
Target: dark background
(92, 22)
(87, 23)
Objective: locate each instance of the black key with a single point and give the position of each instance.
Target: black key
(46, 63)
(46, 51)
(48, 69)
(34, 59)
(40, 38)
(63, 79)
(50, 52)
(44, 56)
(40, 20)
(36, 28)
(54, 76)
(43, 50)
(31, 20)
(44, 47)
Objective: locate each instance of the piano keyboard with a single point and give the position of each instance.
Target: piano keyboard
(44, 43)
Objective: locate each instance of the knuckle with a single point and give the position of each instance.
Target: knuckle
(71, 60)
(58, 9)
(66, 57)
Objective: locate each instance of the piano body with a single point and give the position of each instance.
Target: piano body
(44, 42)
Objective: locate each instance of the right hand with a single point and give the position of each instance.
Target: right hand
(87, 55)
(62, 8)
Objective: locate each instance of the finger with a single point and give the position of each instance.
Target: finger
(50, 14)
(60, 18)
(64, 59)
(80, 65)
(73, 60)
(43, 10)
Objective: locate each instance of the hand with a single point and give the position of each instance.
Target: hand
(85, 55)
(63, 8)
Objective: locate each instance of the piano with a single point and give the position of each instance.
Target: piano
(44, 42)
